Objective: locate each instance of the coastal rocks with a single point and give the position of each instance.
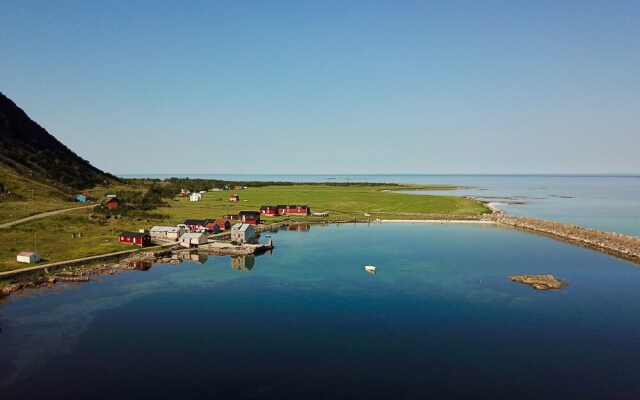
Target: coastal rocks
(624, 246)
(6, 290)
(227, 249)
(539, 282)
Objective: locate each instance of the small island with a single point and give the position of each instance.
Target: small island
(539, 282)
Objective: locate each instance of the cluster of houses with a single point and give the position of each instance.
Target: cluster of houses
(192, 232)
(111, 202)
(285, 210)
(197, 196)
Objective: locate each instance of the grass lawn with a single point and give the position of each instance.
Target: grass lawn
(53, 235)
(341, 202)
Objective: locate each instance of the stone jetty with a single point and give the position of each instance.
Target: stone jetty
(616, 244)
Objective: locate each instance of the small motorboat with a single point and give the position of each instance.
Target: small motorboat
(370, 269)
(267, 236)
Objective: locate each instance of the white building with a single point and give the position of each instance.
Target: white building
(193, 239)
(28, 257)
(242, 233)
(195, 197)
(167, 232)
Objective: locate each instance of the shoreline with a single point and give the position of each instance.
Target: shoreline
(434, 221)
(614, 244)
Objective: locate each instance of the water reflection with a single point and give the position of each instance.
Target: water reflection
(300, 227)
(194, 257)
(142, 265)
(243, 263)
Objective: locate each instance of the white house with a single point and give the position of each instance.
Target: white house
(28, 257)
(193, 239)
(195, 196)
(167, 232)
(242, 233)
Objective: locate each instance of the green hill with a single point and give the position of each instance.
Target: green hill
(31, 151)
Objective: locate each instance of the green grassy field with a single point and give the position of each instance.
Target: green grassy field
(53, 235)
(24, 197)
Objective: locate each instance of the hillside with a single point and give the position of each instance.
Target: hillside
(30, 150)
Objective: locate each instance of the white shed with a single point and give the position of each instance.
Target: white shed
(242, 233)
(167, 232)
(193, 239)
(195, 196)
(28, 257)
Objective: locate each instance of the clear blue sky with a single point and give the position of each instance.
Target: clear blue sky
(331, 87)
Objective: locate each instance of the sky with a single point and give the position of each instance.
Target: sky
(329, 87)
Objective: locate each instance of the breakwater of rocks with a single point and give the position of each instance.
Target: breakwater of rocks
(616, 244)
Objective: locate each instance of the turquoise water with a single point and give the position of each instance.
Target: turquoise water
(606, 202)
(440, 319)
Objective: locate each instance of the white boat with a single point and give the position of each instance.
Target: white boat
(370, 269)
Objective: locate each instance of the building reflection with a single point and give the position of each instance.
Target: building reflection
(194, 257)
(142, 265)
(300, 227)
(243, 263)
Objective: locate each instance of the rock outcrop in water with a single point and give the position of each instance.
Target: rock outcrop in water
(539, 282)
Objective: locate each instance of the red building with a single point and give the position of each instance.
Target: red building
(137, 238)
(113, 202)
(194, 225)
(234, 197)
(232, 216)
(293, 210)
(269, 210)
(217, 225)
(249, 217)
(223, 224)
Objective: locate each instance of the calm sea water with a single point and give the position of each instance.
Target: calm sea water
(440, 319)
(606, 202)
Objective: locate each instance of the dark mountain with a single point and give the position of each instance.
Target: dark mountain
(31, 150)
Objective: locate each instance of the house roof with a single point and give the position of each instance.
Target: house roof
(164, 229)
(133, 234)
(195, 221)
(26, 254)
(241, 227)
(189, 236)
(254, 213)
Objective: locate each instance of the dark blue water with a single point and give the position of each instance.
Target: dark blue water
(605, 202)
(440, 319)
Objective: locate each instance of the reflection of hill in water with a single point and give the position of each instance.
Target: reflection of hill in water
(243, 263)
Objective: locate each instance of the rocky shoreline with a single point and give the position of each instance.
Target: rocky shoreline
(616, 244)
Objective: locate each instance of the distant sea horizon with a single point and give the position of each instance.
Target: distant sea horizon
(609, 202)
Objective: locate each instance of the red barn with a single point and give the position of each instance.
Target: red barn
(137, 238)
(234, 197)
(194, 225)
(269, 210)
(293, 210)
(249, 217)
(223, 224)
(113, 202)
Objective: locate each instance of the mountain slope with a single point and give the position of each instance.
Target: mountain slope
(31, 150)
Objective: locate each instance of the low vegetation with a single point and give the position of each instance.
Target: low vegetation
(87, 232)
